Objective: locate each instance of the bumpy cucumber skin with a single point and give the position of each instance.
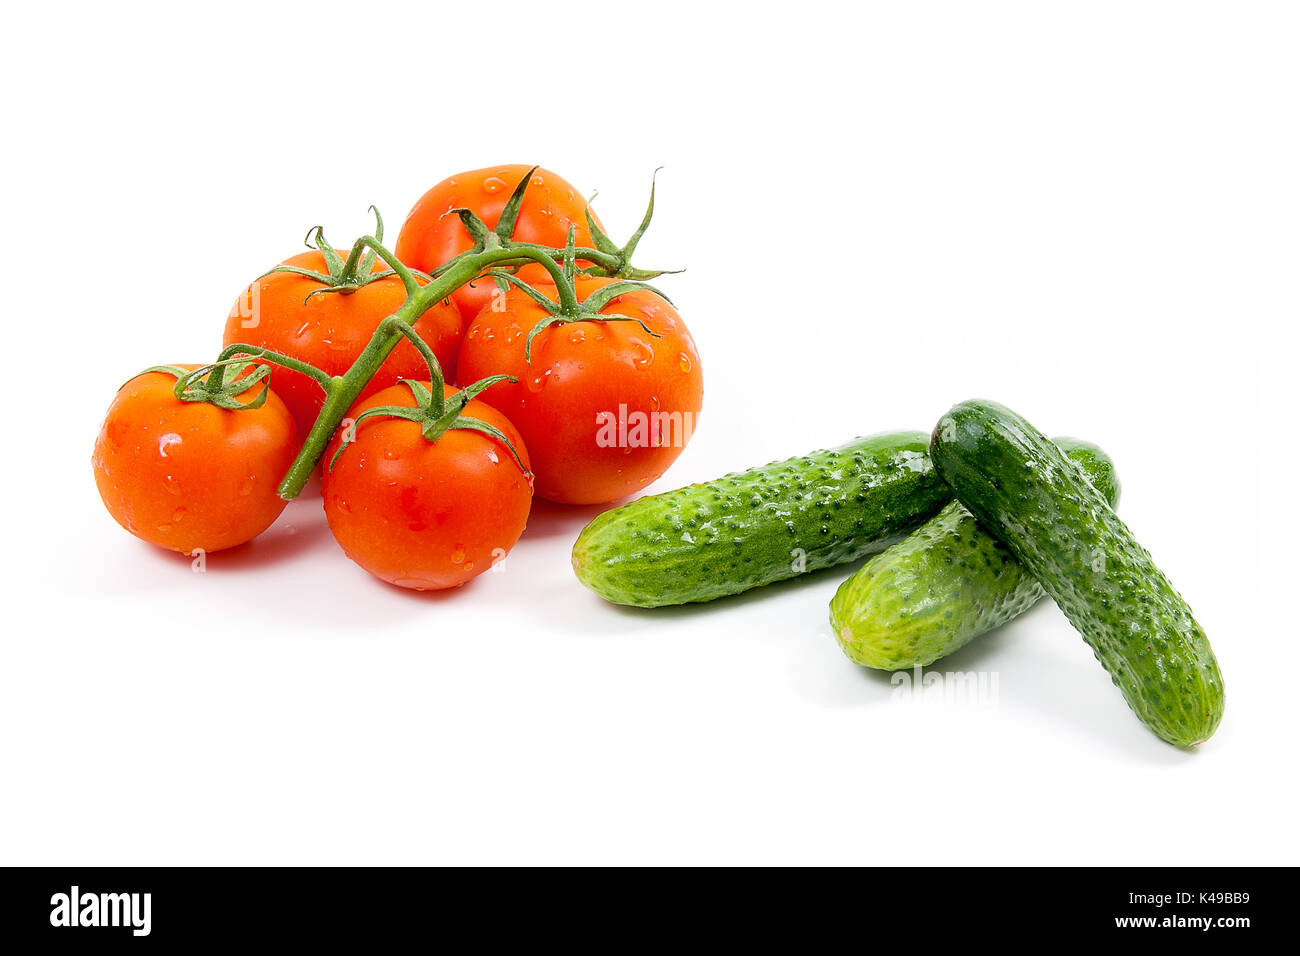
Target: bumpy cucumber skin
(944, 585)
(1025, 492)
(748, 529)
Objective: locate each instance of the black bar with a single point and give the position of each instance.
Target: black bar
(374, 906)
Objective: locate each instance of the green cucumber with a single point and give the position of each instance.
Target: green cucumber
(944, 585)
(1062, 530)
(755, 527)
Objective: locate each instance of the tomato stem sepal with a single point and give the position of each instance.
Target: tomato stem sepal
(566, 307)
(346, 276)
(606, 259)
(222, 390)
(623, 254)
(435, 412)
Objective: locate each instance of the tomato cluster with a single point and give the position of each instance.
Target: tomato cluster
(575, 382)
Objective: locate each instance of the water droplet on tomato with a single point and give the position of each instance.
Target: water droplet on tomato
(577, 336)
(414, 584)
(469, 565)
(178, 515)
(170, 486)
(493, 185)
(654, 403)
(458, 556)
(684, 361)
(166, 441)
(246, 486)
(644, 355)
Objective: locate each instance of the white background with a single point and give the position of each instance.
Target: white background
(1089, 212)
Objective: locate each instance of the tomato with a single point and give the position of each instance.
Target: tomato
(604, 408)
(429, 237)
(189, 475)
(331, 329)
(420, 514)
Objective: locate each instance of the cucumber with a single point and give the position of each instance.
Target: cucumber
(1062, 530)
(755, 527)
(944, 585)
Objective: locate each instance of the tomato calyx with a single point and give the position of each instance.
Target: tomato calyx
(623, 253)
(566, 308)
(220, 389)
(607, 258)
(434, 411)
(348, 275)
(436, 415)
(500, 237)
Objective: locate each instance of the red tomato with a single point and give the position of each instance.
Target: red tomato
(189, 475)
(429, 237)
(604, 407)
(420, 514)
(331, 329)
